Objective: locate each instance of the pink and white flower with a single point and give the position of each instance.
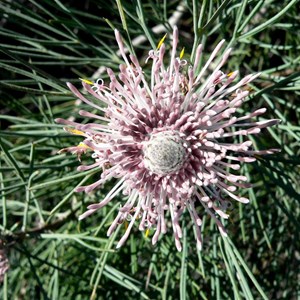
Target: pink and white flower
(169, 139)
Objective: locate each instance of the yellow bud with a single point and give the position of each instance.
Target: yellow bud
(161, 42)
(181, 53)
(74, 131)
(147, 232)
(87, 81)
(83, 145)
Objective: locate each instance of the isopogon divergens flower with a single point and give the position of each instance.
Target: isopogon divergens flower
(169, 139)
(4, 263)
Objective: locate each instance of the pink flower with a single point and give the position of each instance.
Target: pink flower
(4, 263)
(169, 140)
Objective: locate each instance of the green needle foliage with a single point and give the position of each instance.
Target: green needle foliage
(54, 256)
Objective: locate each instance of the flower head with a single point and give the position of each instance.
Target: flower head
(4, 263)
(168, 139)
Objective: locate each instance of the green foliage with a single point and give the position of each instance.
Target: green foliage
(54, 256)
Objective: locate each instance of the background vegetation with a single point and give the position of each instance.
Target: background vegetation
(54, 256)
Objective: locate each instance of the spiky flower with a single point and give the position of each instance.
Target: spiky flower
(169, 139)
(4, 263)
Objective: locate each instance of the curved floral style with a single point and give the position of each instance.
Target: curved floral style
(168, 139)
